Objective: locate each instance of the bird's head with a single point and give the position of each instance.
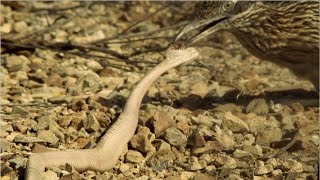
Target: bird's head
(212, 16)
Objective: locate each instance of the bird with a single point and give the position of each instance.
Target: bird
(283, 32)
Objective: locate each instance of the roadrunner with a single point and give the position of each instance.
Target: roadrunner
(283, 32)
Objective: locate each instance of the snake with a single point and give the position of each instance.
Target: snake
(105, 155)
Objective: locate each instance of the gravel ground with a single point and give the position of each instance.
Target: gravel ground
(68, 67)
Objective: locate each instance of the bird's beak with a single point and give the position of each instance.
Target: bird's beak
(209, 26)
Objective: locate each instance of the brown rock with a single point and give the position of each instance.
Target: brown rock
(142, 143)
(196, 140)
(258, 106)
(162, 121)
(54, 80)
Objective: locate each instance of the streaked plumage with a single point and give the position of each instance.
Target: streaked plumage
(284, 32)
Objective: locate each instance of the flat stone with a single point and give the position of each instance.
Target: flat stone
(71, 176)
(20, 110)
(47, 92)
(200, 88)
(234, 123)
(134, 157)
(60, 99)
(205, 120)
(210, 146)
(25, 139)
(16, 63)
(255, 150)
(48, 136)
(161, 122)
(240, 153)
(226, 140)
(224, 161)
(53, 80)
(175, 137)
(228, 107)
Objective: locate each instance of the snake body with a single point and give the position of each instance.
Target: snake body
(105, 155)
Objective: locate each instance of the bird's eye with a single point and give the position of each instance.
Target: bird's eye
(227, 6)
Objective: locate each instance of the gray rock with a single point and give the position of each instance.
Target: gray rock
(175, 137)
(258, 106)
(134, 157)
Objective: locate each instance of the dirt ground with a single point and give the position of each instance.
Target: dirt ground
(68, 67)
